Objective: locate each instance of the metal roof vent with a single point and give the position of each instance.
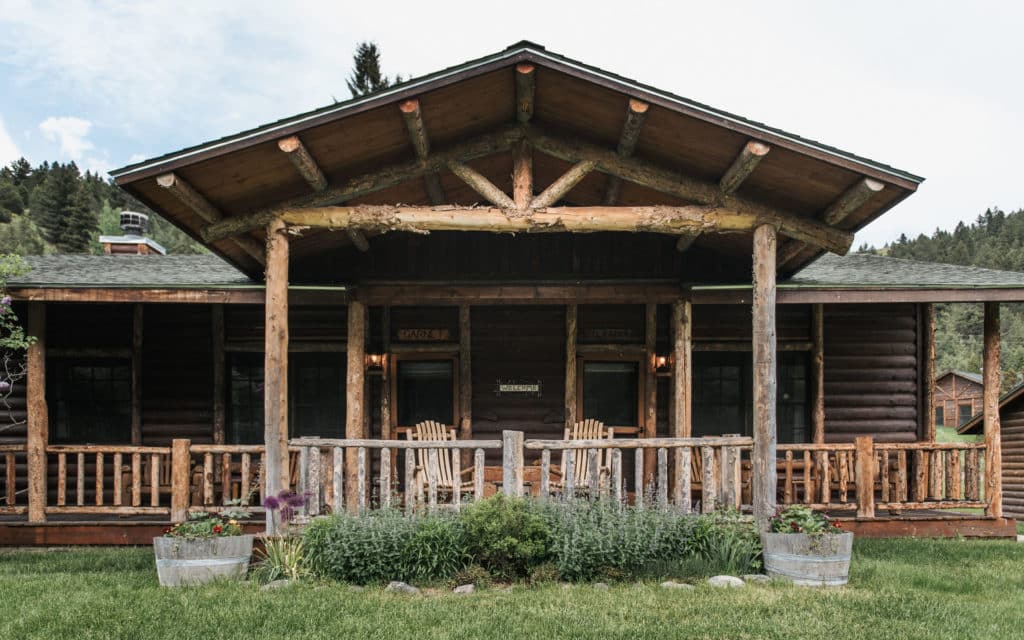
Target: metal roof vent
(134, 223)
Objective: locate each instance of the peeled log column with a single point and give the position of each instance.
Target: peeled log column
(818, 373)
(765, 478)
(38, 418)
(682, 368)
(275, 387)
(928, 371)
(993, 449)
(354, 387)
(570, 365)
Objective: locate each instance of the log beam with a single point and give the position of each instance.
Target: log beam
(387, 177)
(636, 113)
(765, 436)
(38, 433)
(413, 118)
(744, 164)
(275, 386)
(563, 185)
(478, 182)
(522, 175)
(188, 196)
(672, 183)
(355, 392)
(850, 201)
(525, 89)
(990, 411)
(686, 240)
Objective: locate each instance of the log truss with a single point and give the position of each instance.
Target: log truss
(708, 206)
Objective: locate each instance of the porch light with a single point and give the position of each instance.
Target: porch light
(374, 360)
(662, 363)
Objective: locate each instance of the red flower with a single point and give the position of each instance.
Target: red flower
(167, 530)
(217, 528)
(794, 526)
(836, 525)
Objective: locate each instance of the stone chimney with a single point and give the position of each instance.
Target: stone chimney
(134, 241)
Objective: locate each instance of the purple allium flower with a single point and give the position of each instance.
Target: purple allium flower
(6, 301)
(4, 386)
(271, 503)
(295, 500)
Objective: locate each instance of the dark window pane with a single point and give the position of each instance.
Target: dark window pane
(245, 399)
(965, 413)
(940, 416)
(318, 394)
(90, 401)
(611, 392)
(425, 392)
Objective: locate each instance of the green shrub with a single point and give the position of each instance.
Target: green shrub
(473, 574)
(506, 536)
(546, 573)
(361, 549)
(282, 558)
(436, 550)
(725, 542)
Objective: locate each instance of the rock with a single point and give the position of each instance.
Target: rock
(401, 587)
(465, 589)
(600, 586)
(1020, 538)
(672, 584)
(276, 584)
(725, 582)
(756, 578)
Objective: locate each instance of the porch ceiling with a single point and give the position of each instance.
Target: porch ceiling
(248, 172)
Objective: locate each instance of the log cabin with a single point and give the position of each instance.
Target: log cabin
(1011, 429)
(958, 396)
(507, 247)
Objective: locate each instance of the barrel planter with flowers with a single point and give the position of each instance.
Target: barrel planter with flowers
(807, 548)
(204, 548)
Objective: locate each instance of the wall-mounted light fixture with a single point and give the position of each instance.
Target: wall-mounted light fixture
(375, 361)
(662, 363)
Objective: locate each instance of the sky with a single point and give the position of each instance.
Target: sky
(929, 87)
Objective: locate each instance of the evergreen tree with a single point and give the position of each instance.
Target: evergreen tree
(366, 75)
(77, 227)
(53, 198)
(21, 237)
(10, 199)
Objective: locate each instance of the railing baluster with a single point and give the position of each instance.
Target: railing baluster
(303, 469)
(662, 477)
(638, 477)
(136, 479)
(731, 476)
(410, 480)
(901, 476)
(99, 479)
(117, 479)
(432, 479)
(245, 470)
(971, 479)
(787, 486)
(315, 481)
(385, 478)
(953, 487)
(678, 470)
(338, 480)
(709, 489)
(361, 478)
(684, 455)
(11, 479)
(594, 472)
(808, 479)
(545, 474)
(478, 474)
(883, 473)
(225, 478)
(154, 480)
(844, 471)
(920, 475)
(62, 479)
(616, 473)
(456, 478)
(826, 480)
(208, 479)
(569, 476)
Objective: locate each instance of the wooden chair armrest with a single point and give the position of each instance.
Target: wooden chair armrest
(467, 471)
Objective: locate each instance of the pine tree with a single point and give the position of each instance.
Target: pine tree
(78, 225)
(53, 198)
(366, 75)
(22, 237)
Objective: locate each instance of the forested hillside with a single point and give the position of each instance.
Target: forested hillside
(995, 241)
(55, 208)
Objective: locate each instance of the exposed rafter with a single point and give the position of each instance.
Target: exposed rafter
(563, 185)
(522, 175)
(636, 113)
(850, 201)
(202, 207)
(680, 186)
(421, 144)
(310, 170)
(686, 241)
(484, 187)
(658, 219)
(358, 186)
(744, 164)
(525, 87)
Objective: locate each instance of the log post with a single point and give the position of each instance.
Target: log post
(136, 375)
(928, 371)
(682, 368)
(275, 367)
(465, 382)
(764, 475)
(990, 392)
(571, 313)
(219, 364)
(181, 463)
(38, 417)
(354, 388)
(864, 462)
(522, 175)
(818, 373)
(512, 463)
(650, 417)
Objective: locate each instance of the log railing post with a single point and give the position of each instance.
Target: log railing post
(990, 393)
(181, 464)
(38, 415)
(275, 390)
(512, 463)
(864, 462)
(764, 474)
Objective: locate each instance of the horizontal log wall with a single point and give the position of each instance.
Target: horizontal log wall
(1012, 417)
(871, 362)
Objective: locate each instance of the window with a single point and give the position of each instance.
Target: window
(245, 399)
(611, 393)
(90, 401)
(317, 394)
(965, 413)
(425, 390)
(723, 394)
(940, 416)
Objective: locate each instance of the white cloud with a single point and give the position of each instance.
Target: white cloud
(8, 149)
(71, 132)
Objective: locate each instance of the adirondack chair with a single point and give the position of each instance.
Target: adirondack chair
(427, 431)
(587, 430)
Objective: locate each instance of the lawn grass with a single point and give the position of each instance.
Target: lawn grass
(905, 589)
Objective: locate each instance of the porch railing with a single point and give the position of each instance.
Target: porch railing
(109, 479)
(14, 467)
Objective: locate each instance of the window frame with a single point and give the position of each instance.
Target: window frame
(56, 367)
(639, 359)
(421, 355)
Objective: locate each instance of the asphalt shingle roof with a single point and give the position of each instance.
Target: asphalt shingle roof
(180, 271)
(868, 270)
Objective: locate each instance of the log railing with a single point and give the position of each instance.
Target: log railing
(14, 478)
(821, 476)
(110, 479)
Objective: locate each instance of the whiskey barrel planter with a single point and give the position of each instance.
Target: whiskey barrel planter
(810, 561)
(188, 562)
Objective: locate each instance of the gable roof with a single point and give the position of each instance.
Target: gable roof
(131, 271)
(967, 375)
(977, 422)
(241, 173)
(865, 269)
